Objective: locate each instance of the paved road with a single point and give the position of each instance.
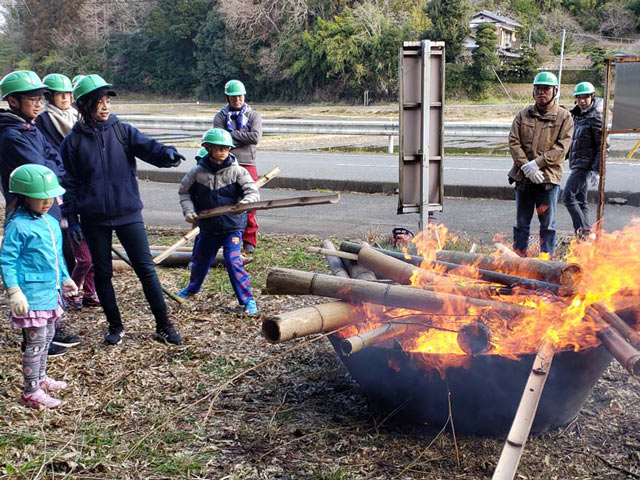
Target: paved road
(359, 214)
(374, 173)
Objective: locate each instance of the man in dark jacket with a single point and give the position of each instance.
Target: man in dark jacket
(245, 126)
(584, 156)
(539, 141)
(22, 143)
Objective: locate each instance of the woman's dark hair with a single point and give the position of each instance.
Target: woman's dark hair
(86, 106)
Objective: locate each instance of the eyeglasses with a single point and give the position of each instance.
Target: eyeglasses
(35, 100)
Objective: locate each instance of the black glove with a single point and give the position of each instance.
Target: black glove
(175, 159)
(75, 232)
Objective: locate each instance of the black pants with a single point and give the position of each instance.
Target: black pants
(133, 238)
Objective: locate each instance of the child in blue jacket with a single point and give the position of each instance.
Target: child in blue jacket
(35, 275)
(218, 181)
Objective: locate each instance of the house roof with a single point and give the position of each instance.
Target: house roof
(497, 18)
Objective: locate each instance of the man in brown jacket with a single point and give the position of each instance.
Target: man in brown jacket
(539, 141)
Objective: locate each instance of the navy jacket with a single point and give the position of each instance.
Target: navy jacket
(101, 180)
(22, 143)
(584, 152)
(50, 132)
(209, 185)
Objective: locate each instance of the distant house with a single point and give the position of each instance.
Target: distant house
(508, 43)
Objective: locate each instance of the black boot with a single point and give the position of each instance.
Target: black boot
(166, 333)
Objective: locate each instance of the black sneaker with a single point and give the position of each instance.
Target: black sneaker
(65, 339)
(166, 333)
(248, 248)
(56, 350)
(114, 335)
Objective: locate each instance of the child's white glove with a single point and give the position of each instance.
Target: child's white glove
(69, 288)
(17, 301)
(191, 217)
(244, 202)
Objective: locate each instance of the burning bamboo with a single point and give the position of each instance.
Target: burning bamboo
(335, 264)
(618, 324)
(561, 273)
(310, 320)
(281, 281)
(467, 271)
(351, 345)
(388, 267)
(522, 422)
(626, 354)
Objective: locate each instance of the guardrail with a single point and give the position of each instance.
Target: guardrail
(329, 127)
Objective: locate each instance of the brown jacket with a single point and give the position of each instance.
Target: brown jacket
(545, 137)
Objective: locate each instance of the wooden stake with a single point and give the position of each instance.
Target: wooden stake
(522, 422)
(194, 233)
(272, 204)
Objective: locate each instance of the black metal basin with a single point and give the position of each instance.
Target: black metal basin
(484, 396)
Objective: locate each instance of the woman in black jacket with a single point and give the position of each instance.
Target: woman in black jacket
(102, 197)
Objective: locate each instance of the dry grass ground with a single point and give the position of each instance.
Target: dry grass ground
(228, 405)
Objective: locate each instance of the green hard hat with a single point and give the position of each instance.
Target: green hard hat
(35, 181)
(89, 84)
(76, 79)
(583, 88)
(234, 87)
(202, 153)
(20, 81)
(546, 78)
(56, 82)
(217, 136)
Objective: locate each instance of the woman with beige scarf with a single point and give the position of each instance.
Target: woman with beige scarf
(55, 123)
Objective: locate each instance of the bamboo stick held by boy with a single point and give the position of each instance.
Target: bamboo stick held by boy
(218, 181)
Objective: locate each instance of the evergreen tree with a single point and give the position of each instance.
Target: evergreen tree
(485, 58)
(450, 23)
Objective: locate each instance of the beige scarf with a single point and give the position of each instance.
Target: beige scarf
(63, 120)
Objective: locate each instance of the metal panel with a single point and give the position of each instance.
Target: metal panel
(626, 106)
(421, 98)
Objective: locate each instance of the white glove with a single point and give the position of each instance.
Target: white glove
(529, 169)
(537, 177)
(69, 288)
(244, 202)
(594, 178)
(17, 301)
(191, 217)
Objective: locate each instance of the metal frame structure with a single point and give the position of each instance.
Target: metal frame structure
(421, 145)
(606, 130)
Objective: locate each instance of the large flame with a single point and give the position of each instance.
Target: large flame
(611, 269)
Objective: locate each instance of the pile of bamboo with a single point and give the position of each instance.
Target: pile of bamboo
(367, 279)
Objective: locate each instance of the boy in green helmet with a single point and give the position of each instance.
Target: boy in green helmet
(218, 181)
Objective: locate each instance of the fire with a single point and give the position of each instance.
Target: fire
(611, 269)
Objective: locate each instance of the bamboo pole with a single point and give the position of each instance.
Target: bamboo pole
(271, 204)
(467, 271)
(194, 232)
(622, 327)
(282, 281)
(522, 422)
(626, 354)
(167, 292)
(333, 253)
(561, 273)
(334, 262)
(310, 320)
(351, 345)
(385, 266)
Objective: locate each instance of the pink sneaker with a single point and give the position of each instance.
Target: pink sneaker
(39, 400)
(48, 384)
